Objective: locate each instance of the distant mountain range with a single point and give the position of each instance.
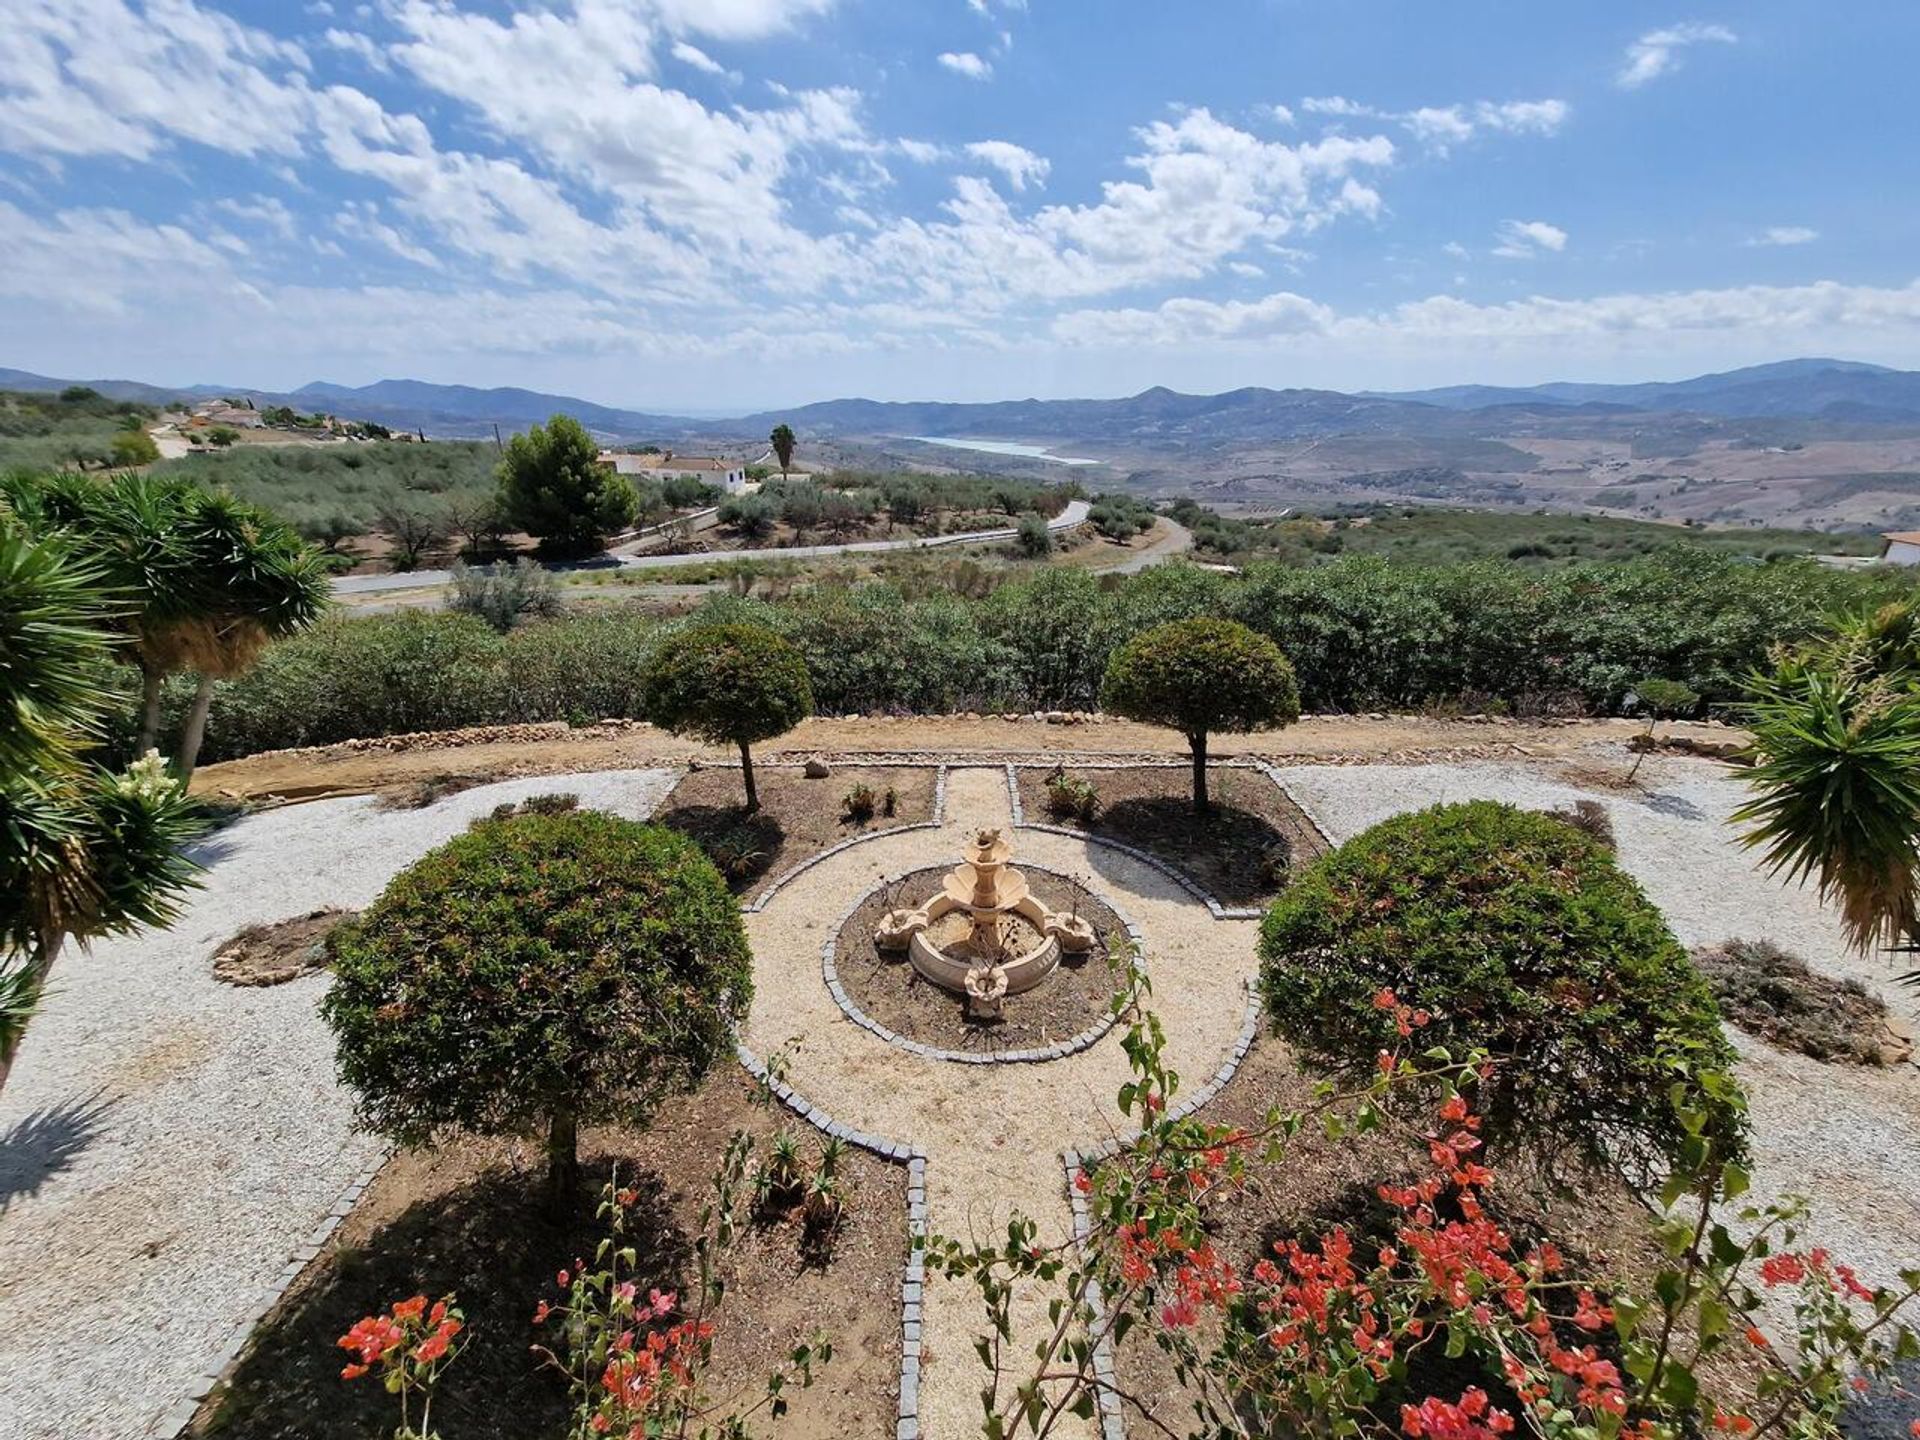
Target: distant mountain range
(1837, 391)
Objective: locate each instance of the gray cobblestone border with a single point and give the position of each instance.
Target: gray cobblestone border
(793, 872)
(1113, 1424)
(1113, 1421)
(1152, 862)
(176, 1420)
(1085, 1040)
(913, 1276)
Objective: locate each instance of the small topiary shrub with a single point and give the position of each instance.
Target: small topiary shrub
(1201, 677)
(1518, 935)
(728, 685)
(537, 973)
(1071, 797)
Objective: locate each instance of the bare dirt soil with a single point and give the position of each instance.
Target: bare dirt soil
(359, 767)
(798, 818)
(1240, 853)
(468, 1218)
(1318, 1183)
(1070, 1000)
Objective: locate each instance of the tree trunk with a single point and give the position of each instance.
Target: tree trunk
(150, 678)
(746, 770)
(195, 730)
(1198, 744)
(37, 962)
(1635, 768)
(563, 1161)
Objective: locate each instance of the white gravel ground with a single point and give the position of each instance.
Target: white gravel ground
(1847, 1136)
(166, 1141)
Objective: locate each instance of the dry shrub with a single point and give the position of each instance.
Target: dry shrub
(1773, 993)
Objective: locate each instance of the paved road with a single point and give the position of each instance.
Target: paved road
(1074, 514)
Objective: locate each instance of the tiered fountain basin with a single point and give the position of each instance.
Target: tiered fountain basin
(984, 935)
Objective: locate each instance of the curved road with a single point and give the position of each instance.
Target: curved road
(1074, 514)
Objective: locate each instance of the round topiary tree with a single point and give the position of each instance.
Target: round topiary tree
(729, 685)
(1200, 677)
(1518, 935)
(535, 973)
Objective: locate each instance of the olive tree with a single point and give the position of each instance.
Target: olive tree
(1202, 677)
(729, 685)
(1510, 932)
(539, 972)
(553, 486)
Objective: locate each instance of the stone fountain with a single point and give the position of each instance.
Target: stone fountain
(984, 935)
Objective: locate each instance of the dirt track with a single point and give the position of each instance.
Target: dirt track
(361, 766)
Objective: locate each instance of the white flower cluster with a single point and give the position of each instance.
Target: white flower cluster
(147, 779)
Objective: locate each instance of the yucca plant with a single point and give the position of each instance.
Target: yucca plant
(823, 1209)
(785, 1173)
(1836, 739)
(83, 853)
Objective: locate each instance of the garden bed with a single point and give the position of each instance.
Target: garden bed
(468, 1218)
(1239, 854)
(798, 818)
(1318, 1182)
(1771, 993)
(1074, 998)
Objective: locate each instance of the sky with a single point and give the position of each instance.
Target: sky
(717, 205)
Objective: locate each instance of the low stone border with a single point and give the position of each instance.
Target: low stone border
(1113, 1421)
(1085, 1040)
(913, 1276)
(1113, 1425)
(1249, 1027)
(175, 1422)
(780, 881)
(1152, 862)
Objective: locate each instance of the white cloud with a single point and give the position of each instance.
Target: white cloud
(1773, 314)
(1245, 269)
(263, 210)
(1336, 105)
(1657, 52)
(1526, 239)
(965, 62)
(1455, 249)
(687, 53)
(1019, 164)
(96, 77)
(1440, 127)
(1785, 235)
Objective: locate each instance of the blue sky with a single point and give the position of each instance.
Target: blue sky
(742, 203)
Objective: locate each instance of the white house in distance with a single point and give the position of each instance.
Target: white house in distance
(1903, 547)
(728, 476)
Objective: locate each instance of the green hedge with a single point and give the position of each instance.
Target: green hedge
(1361, 633)
(1520, 936)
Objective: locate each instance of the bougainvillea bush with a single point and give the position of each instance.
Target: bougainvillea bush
(1328, 1335)
(537, 973)
(1512, 933)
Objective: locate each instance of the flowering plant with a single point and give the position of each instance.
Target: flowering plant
(1328, 1336)
(634, 1362)
(409, 1347)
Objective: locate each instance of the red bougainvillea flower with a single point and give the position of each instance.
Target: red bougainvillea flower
(1783, 1270)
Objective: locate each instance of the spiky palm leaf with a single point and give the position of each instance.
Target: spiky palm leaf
(1838, 792)
(51, 653)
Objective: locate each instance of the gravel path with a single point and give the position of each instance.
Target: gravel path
(1847, 1136)
(167, 1141)
(993, 1134)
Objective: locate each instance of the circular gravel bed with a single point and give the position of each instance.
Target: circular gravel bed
(1076, 996)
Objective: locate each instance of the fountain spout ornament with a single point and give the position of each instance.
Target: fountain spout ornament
(984, 935)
